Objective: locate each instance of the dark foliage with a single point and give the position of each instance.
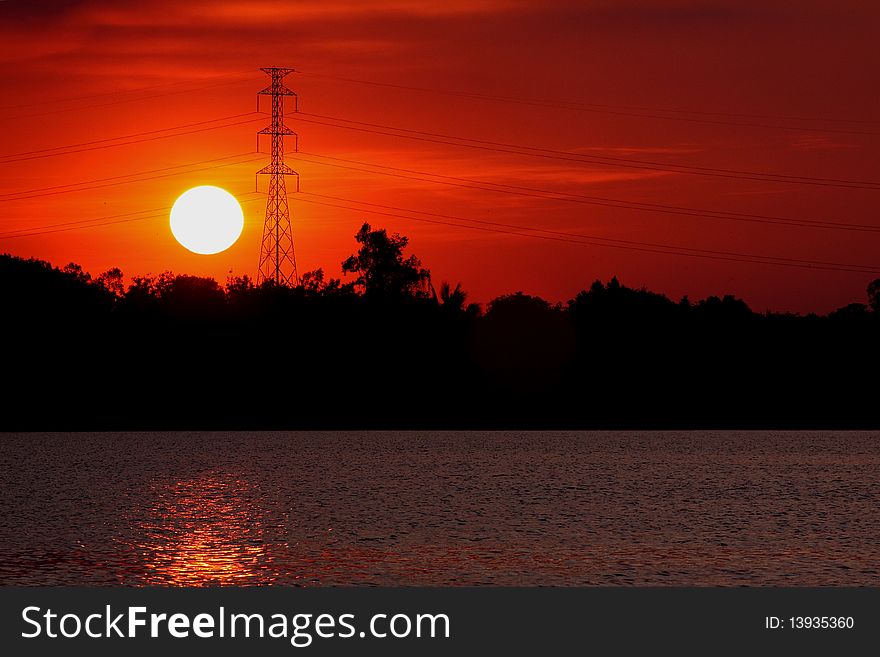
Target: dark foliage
(386, 350)
(381, 268)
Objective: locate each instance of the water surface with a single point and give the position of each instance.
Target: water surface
(440, 508)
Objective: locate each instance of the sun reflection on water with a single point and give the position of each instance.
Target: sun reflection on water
(207, 531)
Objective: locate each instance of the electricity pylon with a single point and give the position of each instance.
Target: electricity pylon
(277, 258)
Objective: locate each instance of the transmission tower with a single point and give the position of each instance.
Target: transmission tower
(277, 259)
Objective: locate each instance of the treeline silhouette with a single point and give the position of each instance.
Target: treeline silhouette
(384, 348)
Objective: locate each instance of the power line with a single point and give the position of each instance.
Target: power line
(451, 220)
(38, 230)
(534, 192)
(606, 160)
(103, 94)
(627, 110)
(136, 141)
(596, 200)
(129, 175)
(495, 227)
(603, 239)
(128, 136)
(587, 240)
(68, 110)
(62, 230)
(48, 191)
(89, 223)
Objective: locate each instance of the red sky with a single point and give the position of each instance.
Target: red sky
(765, 87)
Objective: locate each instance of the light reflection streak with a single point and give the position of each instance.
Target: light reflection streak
(207, 531)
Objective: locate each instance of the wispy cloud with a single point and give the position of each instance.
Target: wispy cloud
(814, 142)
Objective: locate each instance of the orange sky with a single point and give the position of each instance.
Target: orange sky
(757, 87)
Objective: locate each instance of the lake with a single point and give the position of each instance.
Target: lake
(440, 508)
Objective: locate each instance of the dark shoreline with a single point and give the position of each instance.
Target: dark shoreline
(182, 352)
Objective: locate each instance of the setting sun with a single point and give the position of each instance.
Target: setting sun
(206, 219)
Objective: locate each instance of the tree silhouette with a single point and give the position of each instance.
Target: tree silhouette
(113, 281)
(192, 296)
(76, 272)
(314, 282)
(874, 295)
(381, 268)
(158, 353)
(850, 312)
(524, 342)
(239, 285)
(181, 296)
(615, 305)
(453, 301)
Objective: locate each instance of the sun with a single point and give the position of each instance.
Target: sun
(206, 219)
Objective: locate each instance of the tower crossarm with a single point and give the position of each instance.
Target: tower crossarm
(272, 130)
(279, 90)
(282, 170)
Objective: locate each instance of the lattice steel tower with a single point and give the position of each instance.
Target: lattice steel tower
(277, 259)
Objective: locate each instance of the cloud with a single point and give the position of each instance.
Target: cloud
(37, 10)
(814, 142)
(275, 13)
